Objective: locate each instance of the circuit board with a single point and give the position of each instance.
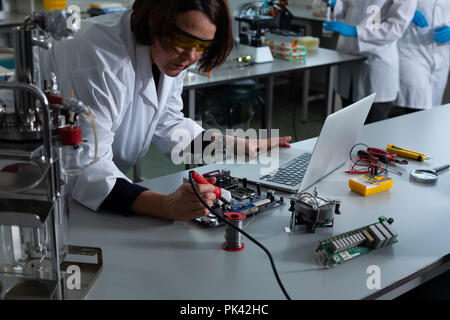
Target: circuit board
(248, 207)
(357, 242)
(244, 199)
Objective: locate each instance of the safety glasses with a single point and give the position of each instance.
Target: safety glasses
(185, 40)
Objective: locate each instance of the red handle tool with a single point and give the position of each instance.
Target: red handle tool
(199, 179)
(217, 191)
(386, 157)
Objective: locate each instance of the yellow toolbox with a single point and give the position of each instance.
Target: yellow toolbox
(367, 184)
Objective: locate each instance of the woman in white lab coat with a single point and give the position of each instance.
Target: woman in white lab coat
(113, 64)
(370, 28)
(424, 53)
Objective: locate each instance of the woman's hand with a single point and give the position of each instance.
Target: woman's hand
(182, 204)
(254, 146)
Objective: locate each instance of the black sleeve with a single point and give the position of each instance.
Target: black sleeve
(122, 197)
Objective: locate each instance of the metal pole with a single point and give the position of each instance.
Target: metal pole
(330, 89)
(305, 95)
(269, 103)
(192, 104)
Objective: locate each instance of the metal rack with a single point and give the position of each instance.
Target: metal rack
(34, 198)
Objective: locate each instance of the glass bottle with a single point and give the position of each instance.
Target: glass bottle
(71, 153)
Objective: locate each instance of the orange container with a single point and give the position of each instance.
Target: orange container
(55, 4)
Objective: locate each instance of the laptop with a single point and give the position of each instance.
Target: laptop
(299, 170)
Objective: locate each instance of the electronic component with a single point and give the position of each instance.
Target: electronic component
(244, 199)
(246, 207)
(312, 211)
(347, 245)
(223, 179)
(366, 185)
(242, 191)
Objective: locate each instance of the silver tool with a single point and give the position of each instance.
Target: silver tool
(427, 176)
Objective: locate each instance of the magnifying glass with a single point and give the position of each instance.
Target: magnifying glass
(427, 176)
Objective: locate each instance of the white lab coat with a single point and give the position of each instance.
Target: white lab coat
(424, 63)
(111, 73)
(380, 71)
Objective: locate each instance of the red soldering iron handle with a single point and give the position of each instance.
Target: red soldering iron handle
(199, 179)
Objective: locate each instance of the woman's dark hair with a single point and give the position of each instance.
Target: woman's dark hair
(152, 19)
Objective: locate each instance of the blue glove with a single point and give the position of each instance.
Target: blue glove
(420, 20)
(333, 2)
(340, 27)
(442, 34)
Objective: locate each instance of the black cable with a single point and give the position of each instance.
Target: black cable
(351, 150)
(221, 217)
(369, 165)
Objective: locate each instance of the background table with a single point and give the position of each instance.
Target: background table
(147, 258)
(315, 59)
(305, 13)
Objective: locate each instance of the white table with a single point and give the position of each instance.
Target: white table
(322, 58)
(147, 258)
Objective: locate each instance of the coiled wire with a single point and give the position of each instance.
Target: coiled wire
(233, 238)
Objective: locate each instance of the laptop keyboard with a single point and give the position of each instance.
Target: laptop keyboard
(291, 173)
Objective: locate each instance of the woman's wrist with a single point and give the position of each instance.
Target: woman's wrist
(151, 203)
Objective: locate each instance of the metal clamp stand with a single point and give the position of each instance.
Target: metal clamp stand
(33, 193)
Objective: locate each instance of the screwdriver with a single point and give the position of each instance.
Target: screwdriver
(222, 194)
(406, 153)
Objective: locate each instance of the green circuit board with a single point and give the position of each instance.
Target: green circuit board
(357, 242)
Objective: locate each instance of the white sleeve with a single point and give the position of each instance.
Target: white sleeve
(173, 129)
(104, 93)
(340, 9)
(392, 26)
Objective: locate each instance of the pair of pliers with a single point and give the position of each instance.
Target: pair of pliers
(376, 158)
(385, 157)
